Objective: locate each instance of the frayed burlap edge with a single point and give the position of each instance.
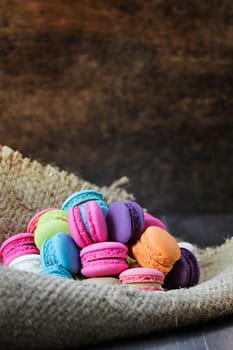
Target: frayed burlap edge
(40, 311)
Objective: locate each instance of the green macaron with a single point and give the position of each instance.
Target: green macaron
(49, 224)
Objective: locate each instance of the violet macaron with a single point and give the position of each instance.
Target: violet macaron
(125, 221)
(87, 224)
(185, 272)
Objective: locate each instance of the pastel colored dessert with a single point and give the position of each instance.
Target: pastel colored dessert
(187, 245)
(103, 259)
(33, 222)
(56, 271)
(87, 224)
(16, 246)
(84, 196)
(60, 250)
(185, 272)
(29, 263)
(49, 224)
(143, 278)
(150, 220)
(102, 280)
(156, 249)
(125, 221)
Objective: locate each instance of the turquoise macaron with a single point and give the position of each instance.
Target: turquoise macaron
(61, 250)
(56, 271)
(84, 196)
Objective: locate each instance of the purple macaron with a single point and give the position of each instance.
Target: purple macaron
(185, 272)
(125, 221)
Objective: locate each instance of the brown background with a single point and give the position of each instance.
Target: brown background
(113, 88)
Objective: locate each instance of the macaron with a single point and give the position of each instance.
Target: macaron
(49, 224)
(29, 263)
(150, 220)
(125, 221)
(102, 280)
(143, 278)
(156, 249)
(56, 271)
(60, 250)
(33, 222)
(185, 272)
(103, 259)
(16, 246)
(186, 245)
(87, 224)
(84, 196)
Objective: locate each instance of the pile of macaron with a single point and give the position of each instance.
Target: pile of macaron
(89, 241)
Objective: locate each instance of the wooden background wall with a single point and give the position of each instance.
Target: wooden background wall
(110, 88)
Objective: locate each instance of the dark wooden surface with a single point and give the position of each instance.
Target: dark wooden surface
(214, 335)
(138, 88)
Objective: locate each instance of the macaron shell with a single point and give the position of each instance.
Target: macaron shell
(77, 228)
(157, 249)
(194, 269)
(118, 222)
(34, 220)
(60, 250)
(96, 222)
(143, 278)
(29, 263)
(49, 224)
(17, 245)
(67, 252)
(187, 245)
(185, 272)
(108, 267)
(150, 220)
(80, 197)
(137, 220)
(103, 259)
(142, 275)
(179, 275)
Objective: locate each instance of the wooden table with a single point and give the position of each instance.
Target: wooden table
(214, 335)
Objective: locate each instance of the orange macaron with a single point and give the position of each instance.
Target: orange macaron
(156, 249)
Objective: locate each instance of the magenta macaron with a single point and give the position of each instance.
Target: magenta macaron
(150, 220)
(87, 224)
(103, 259)
(143, 278)
(16, 246)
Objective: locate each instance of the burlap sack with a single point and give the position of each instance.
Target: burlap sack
(44, 312)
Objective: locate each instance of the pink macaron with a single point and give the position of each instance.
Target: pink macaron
(103, 259)
(16, 246)
(150, 220)
(87, 224)
(143, 278)
(34, 220)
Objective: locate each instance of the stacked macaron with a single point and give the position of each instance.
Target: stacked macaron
(88, 240)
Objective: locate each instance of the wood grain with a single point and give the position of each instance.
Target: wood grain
(136, 88)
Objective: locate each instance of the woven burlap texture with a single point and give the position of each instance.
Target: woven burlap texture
(44, 312)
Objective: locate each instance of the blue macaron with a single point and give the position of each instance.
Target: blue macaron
(56, 271)
(84, 196)
(61, 250)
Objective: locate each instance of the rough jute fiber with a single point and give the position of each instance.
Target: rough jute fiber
(44, 312)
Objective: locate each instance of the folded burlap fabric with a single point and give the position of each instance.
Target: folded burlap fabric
(44, 312)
